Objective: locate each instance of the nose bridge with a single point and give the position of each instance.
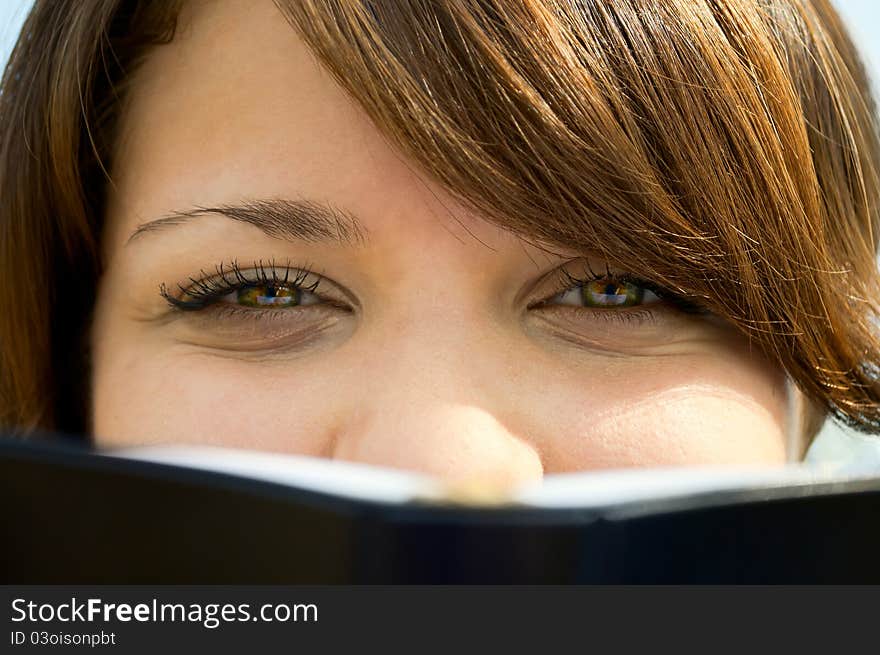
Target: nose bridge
(428, 407)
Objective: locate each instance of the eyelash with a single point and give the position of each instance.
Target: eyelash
(211, 288)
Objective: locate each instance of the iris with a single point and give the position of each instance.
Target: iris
(610, 292)
(263, 295)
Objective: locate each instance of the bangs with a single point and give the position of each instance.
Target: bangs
(726, 150)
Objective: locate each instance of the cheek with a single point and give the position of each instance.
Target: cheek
(139, 401)
(688, 426)
(706, 409)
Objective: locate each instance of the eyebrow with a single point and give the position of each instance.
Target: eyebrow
(292, 220)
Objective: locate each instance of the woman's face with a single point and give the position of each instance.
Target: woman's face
(433, 340)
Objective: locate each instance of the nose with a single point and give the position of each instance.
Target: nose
(458, 442)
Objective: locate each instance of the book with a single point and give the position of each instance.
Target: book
(184, 514)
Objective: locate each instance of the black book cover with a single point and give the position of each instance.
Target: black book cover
(71, 515)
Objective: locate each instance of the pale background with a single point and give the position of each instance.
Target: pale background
(863, 18)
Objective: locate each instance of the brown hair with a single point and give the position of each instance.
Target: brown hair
(727, 149)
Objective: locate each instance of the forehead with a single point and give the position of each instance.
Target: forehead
(237, 105)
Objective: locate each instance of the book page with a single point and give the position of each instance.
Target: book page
(600, 488)
(348, 479)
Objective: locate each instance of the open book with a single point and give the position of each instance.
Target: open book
(200, 514)
(592, 489)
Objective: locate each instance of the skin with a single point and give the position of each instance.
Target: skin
(431, 354)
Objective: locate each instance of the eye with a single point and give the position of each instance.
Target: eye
(610, 295)
(270, 295)
(606, 292)
(266, 288)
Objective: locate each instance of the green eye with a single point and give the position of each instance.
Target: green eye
(608, 293)
(263, 295)
(611, 293)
